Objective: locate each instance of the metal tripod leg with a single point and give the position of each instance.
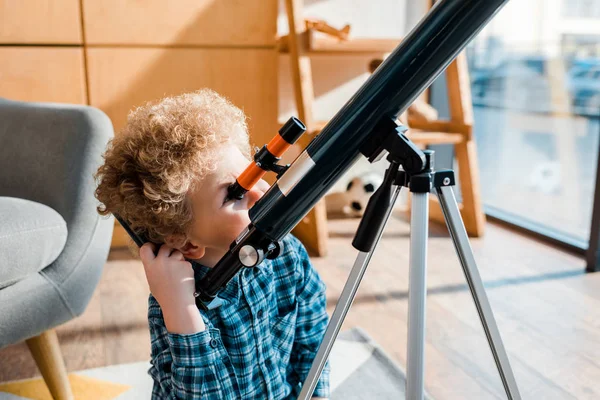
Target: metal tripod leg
(417, 294)
(467, 260)
(341, 309)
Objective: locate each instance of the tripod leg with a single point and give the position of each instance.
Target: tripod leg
(341, 309)
(467, 260)
(417, 293)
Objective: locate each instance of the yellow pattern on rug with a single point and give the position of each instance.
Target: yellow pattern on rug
(84, 388)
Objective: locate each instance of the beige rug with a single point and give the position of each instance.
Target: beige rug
(359, 370)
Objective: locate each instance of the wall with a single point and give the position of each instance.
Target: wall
(51, 67)
(116, 54)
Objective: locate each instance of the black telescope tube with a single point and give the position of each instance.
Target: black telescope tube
(397, 82)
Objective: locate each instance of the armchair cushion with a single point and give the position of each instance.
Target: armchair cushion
(32, 235)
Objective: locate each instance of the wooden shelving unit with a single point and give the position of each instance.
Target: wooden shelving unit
(303, 41)
(317, 43)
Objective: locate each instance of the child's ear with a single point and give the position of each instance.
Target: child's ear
(186, 247)
(192, 251)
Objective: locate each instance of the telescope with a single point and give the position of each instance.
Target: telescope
(360, 128)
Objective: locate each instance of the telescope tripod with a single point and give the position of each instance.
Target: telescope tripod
(377, 213)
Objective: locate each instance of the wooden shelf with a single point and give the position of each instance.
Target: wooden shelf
(425, 128)
(441, 126)
(419, 136)
(317, 43)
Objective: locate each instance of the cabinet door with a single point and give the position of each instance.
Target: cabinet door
(122, 78)
(40, 21)
(188, 22)
(54, 74)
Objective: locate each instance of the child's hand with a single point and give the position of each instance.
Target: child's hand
(171, 281)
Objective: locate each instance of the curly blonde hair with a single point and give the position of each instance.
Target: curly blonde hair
(163, 152)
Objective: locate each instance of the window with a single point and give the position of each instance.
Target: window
(581, 8)
(536, 98)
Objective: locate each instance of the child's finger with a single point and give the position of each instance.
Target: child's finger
(147, 252)
(165, 251)
(188, 265)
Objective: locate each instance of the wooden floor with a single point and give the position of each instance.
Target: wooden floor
(548, 312)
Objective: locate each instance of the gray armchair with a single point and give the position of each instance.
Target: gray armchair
(53, 243)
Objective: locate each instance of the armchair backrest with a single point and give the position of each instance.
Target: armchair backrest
(48, 154)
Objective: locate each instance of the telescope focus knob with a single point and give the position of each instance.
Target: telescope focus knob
(250, 256)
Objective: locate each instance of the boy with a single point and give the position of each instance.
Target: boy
(167, 174)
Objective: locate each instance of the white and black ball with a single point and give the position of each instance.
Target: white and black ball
(359, 191)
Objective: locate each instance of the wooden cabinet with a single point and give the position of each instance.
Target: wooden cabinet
(119, 54)
(181, 22)
(122, 78)
(54, 74)
(40, 21)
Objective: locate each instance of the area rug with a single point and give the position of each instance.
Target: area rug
(360, 369)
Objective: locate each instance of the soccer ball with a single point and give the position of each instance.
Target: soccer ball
(359, 191)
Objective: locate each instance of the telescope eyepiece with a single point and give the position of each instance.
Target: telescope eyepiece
(292, 130)
(235, 191)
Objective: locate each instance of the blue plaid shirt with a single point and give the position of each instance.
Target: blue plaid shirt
(260, 344)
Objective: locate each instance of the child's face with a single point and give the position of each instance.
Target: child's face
(217, 224)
